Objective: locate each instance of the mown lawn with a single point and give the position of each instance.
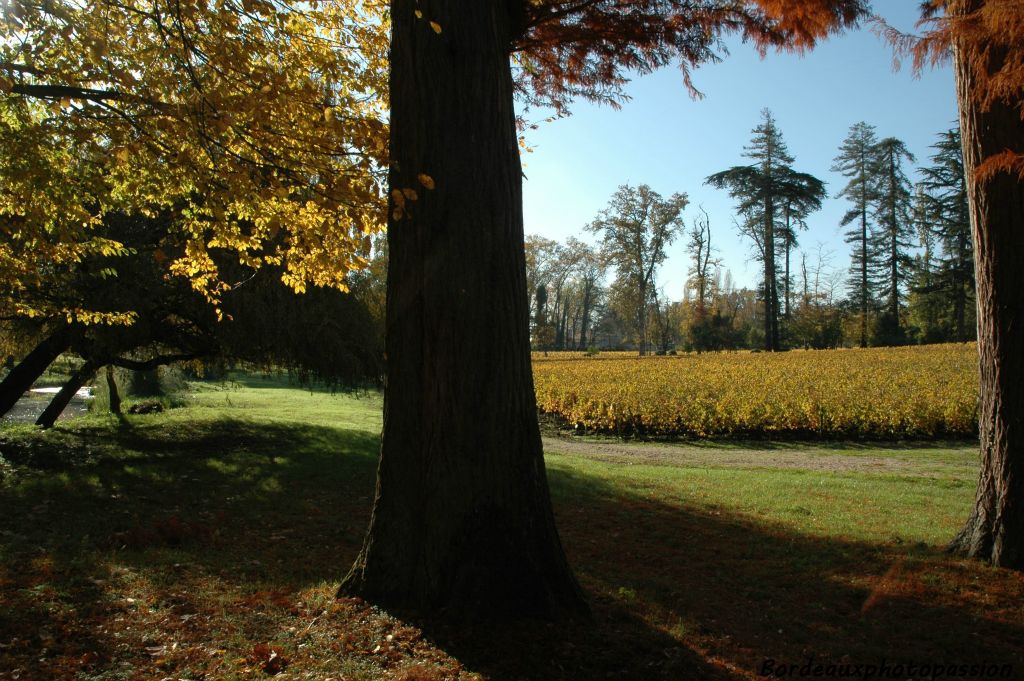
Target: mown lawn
(207, 542)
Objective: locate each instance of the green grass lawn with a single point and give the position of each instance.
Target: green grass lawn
(207, 542)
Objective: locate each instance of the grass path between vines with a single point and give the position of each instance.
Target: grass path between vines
(935, 460)
(208, 542)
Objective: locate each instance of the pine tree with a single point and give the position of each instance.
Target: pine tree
(892, 214)
(797, 203)
(923, 300)
(946, 197)
(762, 190)
(856, 161)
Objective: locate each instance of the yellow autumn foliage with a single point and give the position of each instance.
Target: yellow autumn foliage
(921, 391)
(255, 130)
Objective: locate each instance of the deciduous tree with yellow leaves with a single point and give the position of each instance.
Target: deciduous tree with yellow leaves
(254, 127)
(249, 133)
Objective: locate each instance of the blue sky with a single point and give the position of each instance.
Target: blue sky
(671, 142)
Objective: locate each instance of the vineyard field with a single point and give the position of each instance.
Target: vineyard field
(909, 392)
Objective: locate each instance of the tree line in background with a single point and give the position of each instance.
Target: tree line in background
(910, 278)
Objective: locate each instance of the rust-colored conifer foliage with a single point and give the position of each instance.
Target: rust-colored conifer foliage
(588, 48)
(988, 38)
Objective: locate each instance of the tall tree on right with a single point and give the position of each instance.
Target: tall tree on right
(856, 161)
(988, 49)
(986, 40)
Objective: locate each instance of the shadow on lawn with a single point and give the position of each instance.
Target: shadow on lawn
(748, 592)
(271, 509)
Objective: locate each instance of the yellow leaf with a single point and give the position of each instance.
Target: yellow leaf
(436, 26)
(426, 180)
(410, 194)
(419, 14)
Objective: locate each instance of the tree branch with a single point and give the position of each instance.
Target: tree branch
(150, 364)
(75, 92)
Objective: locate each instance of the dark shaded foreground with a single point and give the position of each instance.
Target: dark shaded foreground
(207, 540)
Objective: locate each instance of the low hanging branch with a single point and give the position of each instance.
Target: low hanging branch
(155, 362)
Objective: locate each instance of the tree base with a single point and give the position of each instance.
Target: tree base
(489, 580)
(980, 541)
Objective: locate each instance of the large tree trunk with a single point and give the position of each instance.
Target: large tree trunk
(462, 519)
(61, 400)
(995, 530)
(32, 367)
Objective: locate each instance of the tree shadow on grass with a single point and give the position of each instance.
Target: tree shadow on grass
(252, 515)
(679, 592)
(747, 592)
(183, 513)
(235, 483)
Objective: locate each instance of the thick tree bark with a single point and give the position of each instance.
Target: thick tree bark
(995, 529)
(462, 518)
(67, 391)
(32, 367)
